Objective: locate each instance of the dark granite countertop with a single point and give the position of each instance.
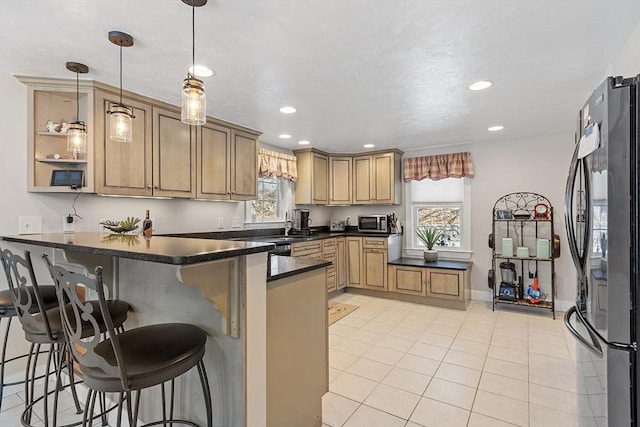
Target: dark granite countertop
(285, 266)
(166, 250)
(419, 262)
(279, 238)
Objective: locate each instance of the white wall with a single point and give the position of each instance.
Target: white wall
(627, 63)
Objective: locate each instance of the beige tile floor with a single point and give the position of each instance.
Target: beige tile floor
(408, 365)
(393, 363)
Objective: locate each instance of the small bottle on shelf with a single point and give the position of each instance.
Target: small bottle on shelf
(147, 225)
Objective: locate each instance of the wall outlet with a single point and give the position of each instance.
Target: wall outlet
(68, 224)
(237, 223)
(30, 224)
(220, 222)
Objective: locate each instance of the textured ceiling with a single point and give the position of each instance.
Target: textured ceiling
(393, 73)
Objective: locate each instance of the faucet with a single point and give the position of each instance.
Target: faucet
(287, 223)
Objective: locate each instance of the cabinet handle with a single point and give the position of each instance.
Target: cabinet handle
(149, 186)
(155, 187)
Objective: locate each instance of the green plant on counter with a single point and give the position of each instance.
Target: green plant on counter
(120, 227)
(428, 235)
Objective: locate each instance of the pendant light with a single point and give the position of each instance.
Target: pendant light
(77, 133)
(194, 99)
(120, 125)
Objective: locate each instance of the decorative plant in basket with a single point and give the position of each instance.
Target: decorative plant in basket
(121, 227)
(429, 236)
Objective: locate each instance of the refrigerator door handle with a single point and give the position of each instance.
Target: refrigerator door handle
(594, 346)
(569, 213)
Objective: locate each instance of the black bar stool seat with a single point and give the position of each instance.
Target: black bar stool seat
(151, 354)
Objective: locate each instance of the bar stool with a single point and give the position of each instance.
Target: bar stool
(132, 360)
(44, 326)
(8, 311)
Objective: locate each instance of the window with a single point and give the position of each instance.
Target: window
(441, 204)
(274, 197)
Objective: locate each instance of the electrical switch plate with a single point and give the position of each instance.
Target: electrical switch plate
(220, 222)
(68, 227)
(30, 224)
(236, 222)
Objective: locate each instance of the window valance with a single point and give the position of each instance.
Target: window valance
(453, 165)
(272, 163)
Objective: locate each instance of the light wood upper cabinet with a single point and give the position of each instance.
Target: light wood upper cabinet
(362, 180)
(313, 177)
(227, 163)
(340, 176)
(377, 178)
(123, 168)
(244, 165)
(174, 155)
(213, 162)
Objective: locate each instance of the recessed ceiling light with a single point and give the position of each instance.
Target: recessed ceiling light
(284, 136)
(495, 128)
(480, 85)
(288, 110)
(369, 145)
(201, 71)
(304, 142)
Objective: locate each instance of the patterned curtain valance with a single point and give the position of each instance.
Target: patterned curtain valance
(272, 163)
(453, 165)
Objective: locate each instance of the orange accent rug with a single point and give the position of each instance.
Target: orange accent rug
(338, 310)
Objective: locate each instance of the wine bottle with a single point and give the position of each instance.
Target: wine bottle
(147, 225)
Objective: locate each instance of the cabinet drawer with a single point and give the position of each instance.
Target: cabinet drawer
(331, 282)
(307, 249)
(445, 284)
(328, 244)
(374, 242)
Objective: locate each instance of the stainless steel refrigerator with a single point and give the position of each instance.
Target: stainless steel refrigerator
(601, 213)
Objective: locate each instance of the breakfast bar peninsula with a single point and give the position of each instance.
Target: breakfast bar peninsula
(218, 285)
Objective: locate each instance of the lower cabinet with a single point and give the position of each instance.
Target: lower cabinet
(329, 254)
(445, 284)
(408, 280)
(341, 263)
(354, 262)
(375, 269)
(438, 286)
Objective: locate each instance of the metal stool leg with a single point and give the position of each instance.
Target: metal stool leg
(206, 391)
(4, 357)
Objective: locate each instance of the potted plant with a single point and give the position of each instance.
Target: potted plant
(429, 236)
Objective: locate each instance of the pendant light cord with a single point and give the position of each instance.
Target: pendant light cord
(193, 38)
(77, 97)
(120, 74)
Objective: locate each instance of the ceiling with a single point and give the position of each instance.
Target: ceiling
(393, 73)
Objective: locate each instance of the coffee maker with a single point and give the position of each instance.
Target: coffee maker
(301, 220)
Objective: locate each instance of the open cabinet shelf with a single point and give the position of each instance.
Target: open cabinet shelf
(535, 232)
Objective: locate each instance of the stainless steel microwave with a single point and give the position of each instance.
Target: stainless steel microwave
(373, 223)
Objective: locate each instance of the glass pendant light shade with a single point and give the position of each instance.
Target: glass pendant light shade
(77, 138)
(120, 123)
(120, 115)
(77, 132)
(194, 102)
